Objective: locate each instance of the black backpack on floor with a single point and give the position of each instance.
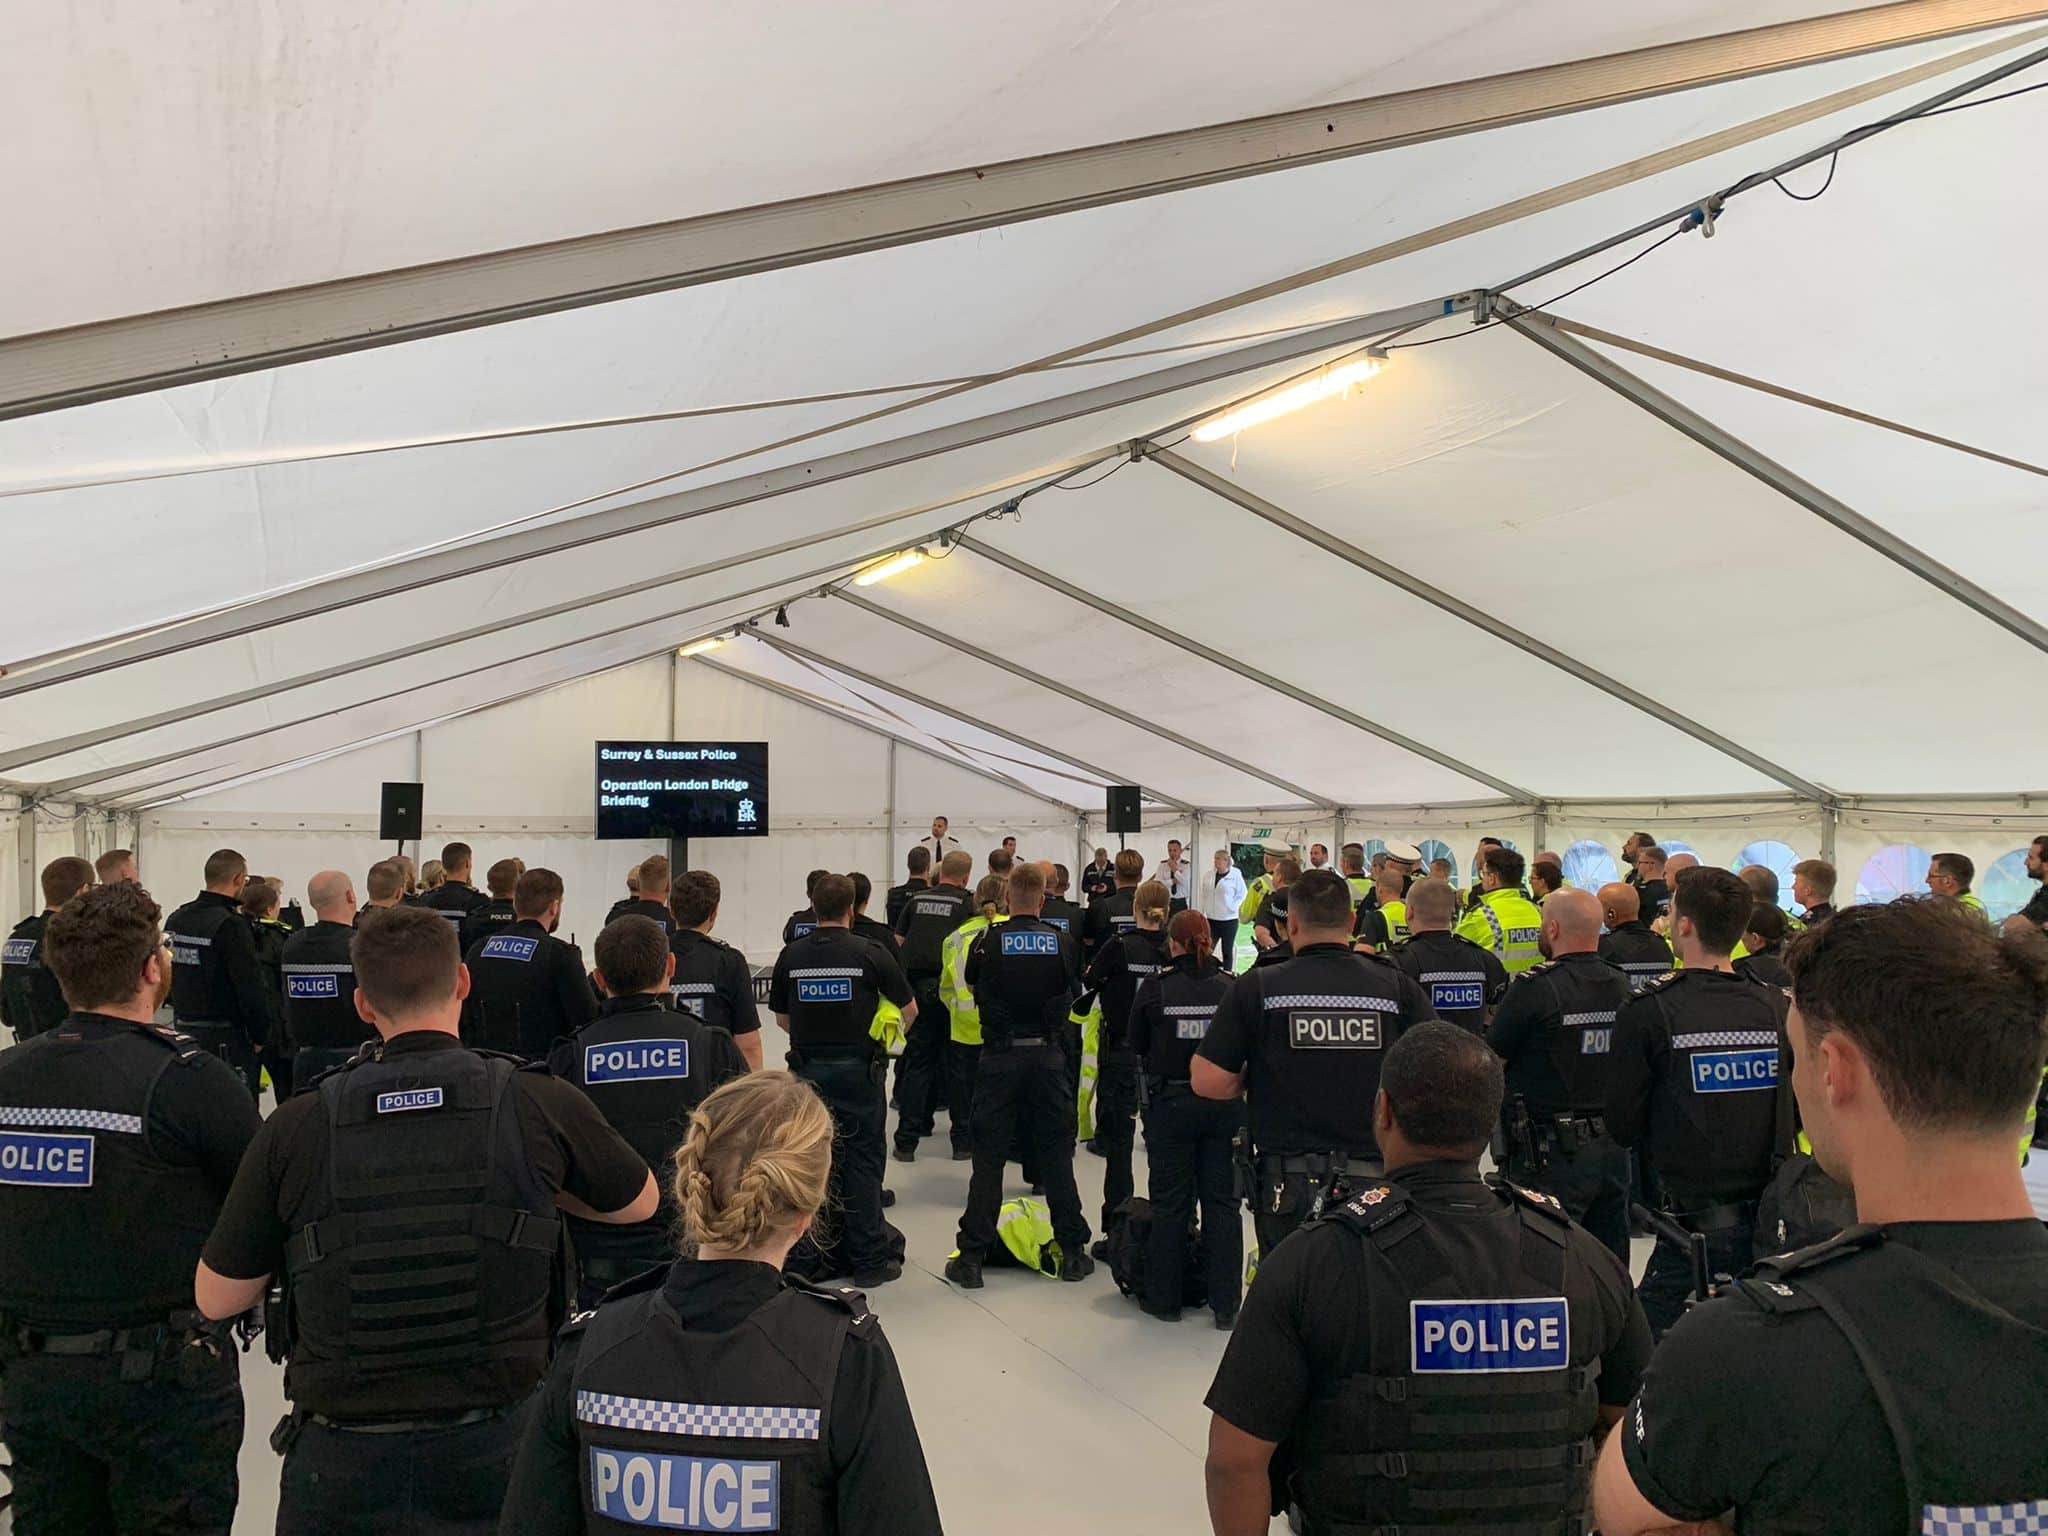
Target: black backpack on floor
(1130, 1238)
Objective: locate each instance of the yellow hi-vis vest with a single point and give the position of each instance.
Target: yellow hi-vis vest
(1509, 924)
(1254, 893)
(1087, 1013)
(1975, 903)
(1024, 1228)
(953, 989)
(1396, 915)
(887, 1028)
(1361, 887)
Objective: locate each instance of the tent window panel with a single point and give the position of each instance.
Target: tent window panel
(1892, 872)
(2006, 886)
(1588, 865)
(1778, 858)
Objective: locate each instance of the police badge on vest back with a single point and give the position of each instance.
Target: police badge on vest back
(315, 985)
(403, 1099)
(17, 951)
(1489, 1337)
(1734, 1071)
(685, 1493)
(1029, 941)
(40, 1158)
(1461, 991)
(509, 946)
(1339, 1029)
(636, 1061)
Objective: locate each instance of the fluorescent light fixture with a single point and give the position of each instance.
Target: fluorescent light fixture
(699, 647)
(895, 565)
(1335, 379)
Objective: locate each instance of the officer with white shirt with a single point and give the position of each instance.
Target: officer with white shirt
(1173, 873)
(939, 844)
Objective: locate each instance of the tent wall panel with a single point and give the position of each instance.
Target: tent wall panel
(344, 784)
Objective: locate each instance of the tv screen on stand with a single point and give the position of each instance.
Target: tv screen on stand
(682, 789)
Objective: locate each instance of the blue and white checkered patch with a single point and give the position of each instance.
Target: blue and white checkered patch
(1716, 1038)
(1282, 1002)
(2027, 1519)
(72, 1119)
(716, 1421)
(825, 983)
(688, 996)
(1191, 1020)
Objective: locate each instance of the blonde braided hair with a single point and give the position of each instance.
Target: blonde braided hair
(755, 1159)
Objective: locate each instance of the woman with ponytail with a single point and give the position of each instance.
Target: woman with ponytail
(719, 1393)
(1125, 959)
(1187, 1139)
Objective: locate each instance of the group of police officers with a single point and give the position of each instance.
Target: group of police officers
(405, 1221)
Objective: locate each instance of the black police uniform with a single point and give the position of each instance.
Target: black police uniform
(1187, 1139)
(271, 934)
(1766, 966)
(30, 999)
(322, 1026)
(1694, 1079)
(1025, 975)
(829, 984)
(713, 982)
(1114, 914)
(1887, 1380)
(409, 1203)
(122, 1406)
(1465, 981)
(923, 924)
(1067, 916)
(1097, 881)
(723, 1396)
(1435, 1352)
(494, 916)
(2036, 909)
(217, 989)
(1555, 1031)
(1126, 961)
(876, 933)
(645, 1066)
(454, 900)
(527, 989)
(800, 924)
(892, 907)
(1638, 953)
(1652, 897)
(641, 906)
(1309, 1034)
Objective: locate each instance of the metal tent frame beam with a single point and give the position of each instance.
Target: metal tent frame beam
(1243, 669)
(831, 664)
(1478, 618)
(1727, 446)
(448, 562)
(1085, 700)
(134, 354)
(847, 717)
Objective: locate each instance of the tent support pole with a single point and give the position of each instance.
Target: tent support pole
(1542, 821)
(1479, 618)
(1103, 605)
(889, 814)
(1726, 445)
(1086, 700)
(1830, 822)
(25, 857)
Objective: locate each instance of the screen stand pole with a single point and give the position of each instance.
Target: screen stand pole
(678, 854)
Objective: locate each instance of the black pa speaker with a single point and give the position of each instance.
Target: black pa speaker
(1124, 815)
(398, 816)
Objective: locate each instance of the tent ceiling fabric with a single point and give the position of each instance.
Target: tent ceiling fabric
(1483, 466)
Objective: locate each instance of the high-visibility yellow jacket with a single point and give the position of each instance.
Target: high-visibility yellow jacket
(1508, 923)
(1254, 893)
(953, 989)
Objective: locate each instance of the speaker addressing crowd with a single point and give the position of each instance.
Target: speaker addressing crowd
(478, 1130)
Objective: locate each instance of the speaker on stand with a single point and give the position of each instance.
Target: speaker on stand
(399, 813)
(1124, 813)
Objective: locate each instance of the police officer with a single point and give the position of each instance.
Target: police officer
(1127, 960)
(1889, 1379)
(1653, 891)
(383, 889)
(217, 988)
(527, 988)
(411, 1206)
(712, 979)
(1269, 922)
(1025, 975)
(1629, 945)
(1694, 1081)
(1187, 1139)
(1813, 887)
(1262, 884)
(652, 902)
(1114, 913)
(927, 918)
(322, 1027)
(269, 932)
(645, 1066)
(722, 1393)
(867, 927)
(1765, 941)
(803, 922)
(826, 988)
(1303, 1042)
(118, 1141)
(496, 913)
(1464, 982)
(1555, 1031)
(920, 880)
(1363, 891)
(1065, 915)
(1439, 1350)
(1503, 919)
(455, 898)
(31, 1001)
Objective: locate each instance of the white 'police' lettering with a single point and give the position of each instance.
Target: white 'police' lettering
(312, 986)
(37, 1157)
(1597, 1042)
(636, 1061)
(685, 1493)
(509, 946)
(1343, 1029)
(1447, 1337)
(18, 952)
(408, 1098)
(824, 989)
(1462, 993)
(1030, 941)
(1734, 1071)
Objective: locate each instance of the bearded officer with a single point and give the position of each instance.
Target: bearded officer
(1464, 982)
(1438, 1351)
(1502, 918)
(321, 1024)
(527, 988)
(712, 980)
(31, 1000)
(411, 1204)
(118, 1142)
(1555, 1031)
(1303, 1042)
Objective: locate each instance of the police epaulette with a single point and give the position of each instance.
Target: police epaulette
(1845, 1242)
(1539, 968)
(1369, 1209)
(849, 1299)
(187, 1048)
(1657, 983)
(1537, 1200)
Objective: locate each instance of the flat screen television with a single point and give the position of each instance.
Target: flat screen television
(657, 789)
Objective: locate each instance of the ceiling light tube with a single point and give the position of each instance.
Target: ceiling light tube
(699, 647)
(895, 565)
(1335, 379)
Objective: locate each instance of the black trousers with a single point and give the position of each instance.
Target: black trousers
(229, 1044)
(1116, 1119)
(1187, 1148)
(1590, 1181)
(98, 1456)
(1282, 1202)
(962, 1072)
(852, 1088)
(1667, 1281)
(921, 1085)
(354, 1482)
(1224, 931)
(1027, 1084)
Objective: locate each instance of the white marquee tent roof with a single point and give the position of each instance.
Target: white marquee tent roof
(363, 368)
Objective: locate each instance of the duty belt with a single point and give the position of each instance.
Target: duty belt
(30, 1340)
(1578, 1130)
(1322, 1165)
(1727, 1216)
(403, 1426)
(1021, 1040)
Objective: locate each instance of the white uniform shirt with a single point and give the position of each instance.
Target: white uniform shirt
(1175, 880)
